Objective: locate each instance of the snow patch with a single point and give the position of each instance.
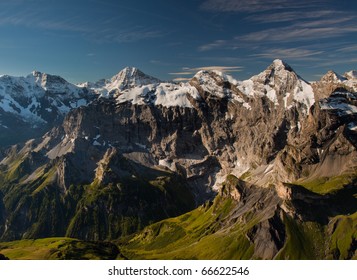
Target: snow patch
(246, 87)
(96, 143)
(226, 78)
(342, 108)
(286, 98)
(209, 84)
(352, 126)
(304, 95)
(165, 94)
(351, 74)
(9, 104)
(271, 94)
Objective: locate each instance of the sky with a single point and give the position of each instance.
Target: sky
(86, 40)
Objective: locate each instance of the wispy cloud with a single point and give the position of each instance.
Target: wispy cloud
(214, 45)
(107, 31)
(288, 53)
(218, 68)
(296, 32)
(35, 19)
(181, 73)
(352, 48)
(285, 16)
(193, 70)
(181, 79)
(303, 21)
(253, 5)
(125, 35)
(330, 63)
(328, 22)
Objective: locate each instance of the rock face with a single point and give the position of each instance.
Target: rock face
(143, 150)
(327, 145)
(2, 257)
(331, 81)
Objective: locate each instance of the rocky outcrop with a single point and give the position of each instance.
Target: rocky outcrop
(331, 81)
(2, 257)
(326, 145)
(268, 237)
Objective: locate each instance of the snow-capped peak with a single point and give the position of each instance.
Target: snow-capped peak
(36, 73)
(351, 75)
(34, 97)
(212, 81)
(217, 75)
(280, 65)
(281, 85)
(52, 83)
(131, 77)
(332, 77)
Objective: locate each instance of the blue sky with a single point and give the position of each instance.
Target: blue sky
(85, 40)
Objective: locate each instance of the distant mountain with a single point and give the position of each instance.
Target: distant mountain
(128, 78)
(266, 157)
(31, 105)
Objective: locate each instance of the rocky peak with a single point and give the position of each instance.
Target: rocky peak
(281, 65)
(36, 73)
(130, 77)
(351, 81)
(281, 85)
(351, 75)
(331, 81)
(50, 83)
(278, 72)
(233, 188)
(209, 82)
(214, 77)
(332, 77)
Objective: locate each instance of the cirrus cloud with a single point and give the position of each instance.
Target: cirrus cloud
(253, 5)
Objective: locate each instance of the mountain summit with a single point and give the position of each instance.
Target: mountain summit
(131, 77)
(128, 78)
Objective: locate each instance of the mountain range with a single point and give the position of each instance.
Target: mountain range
(133, 167)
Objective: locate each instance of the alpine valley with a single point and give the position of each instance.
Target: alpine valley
(137, 168)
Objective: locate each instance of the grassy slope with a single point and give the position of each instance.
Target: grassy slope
(194, 235)
(99, 211)
(198, 235)
(326, 185)
(342, 242)
(305, 241)
(58, 248)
